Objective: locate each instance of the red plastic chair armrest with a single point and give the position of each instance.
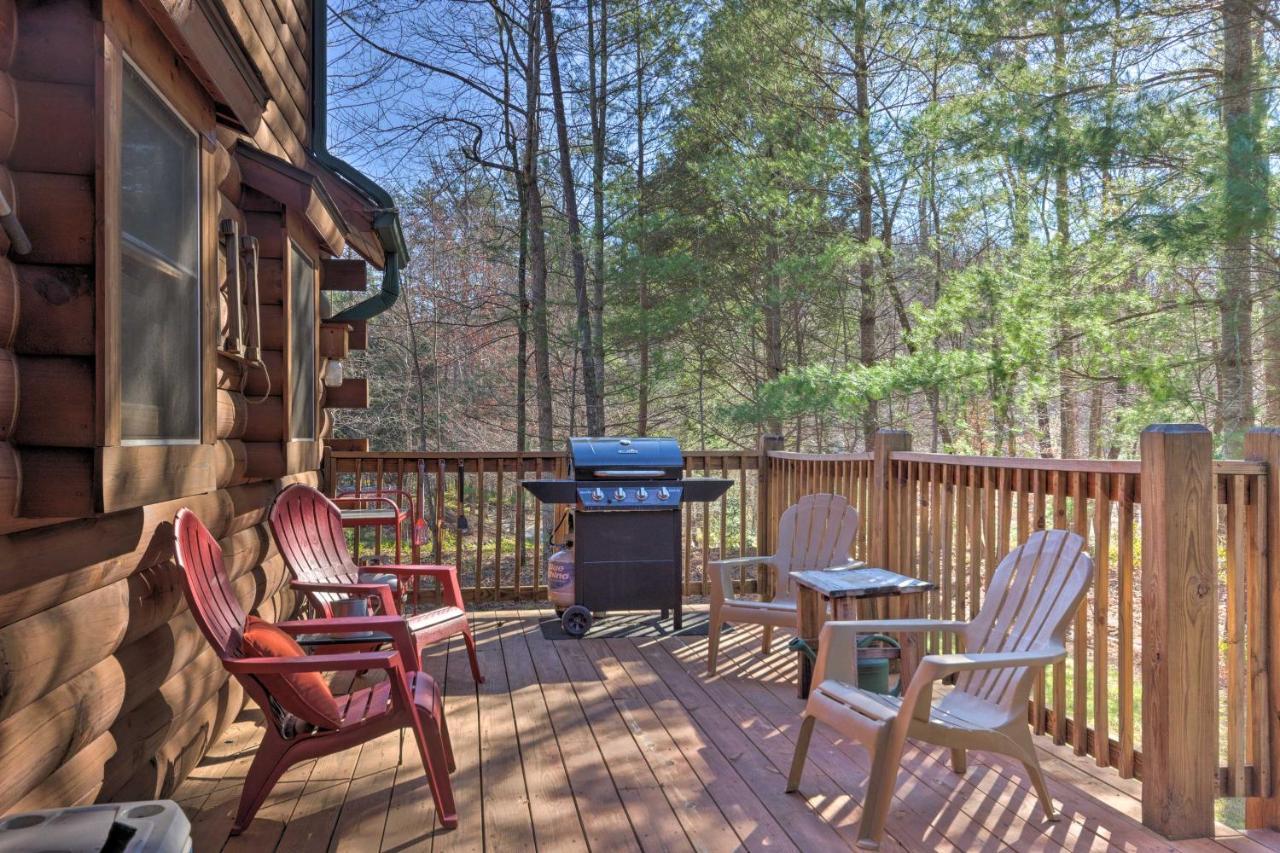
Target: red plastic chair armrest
(393, 625)
(446, 575)
(381, 590)
(387, 660)
(360, 502)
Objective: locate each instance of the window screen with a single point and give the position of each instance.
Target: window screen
(302, 354)
(160, 375)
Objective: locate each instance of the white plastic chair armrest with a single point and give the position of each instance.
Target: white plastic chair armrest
(934, 667)
(919, 696)
(836, 654)
(744, 561)
(722, 580)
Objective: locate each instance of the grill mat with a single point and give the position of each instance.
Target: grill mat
(633, 625)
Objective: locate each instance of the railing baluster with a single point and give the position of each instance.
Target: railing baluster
(1234, 639)
(705, 510)
(497, 534)
(479, 493)
(437, 547)
(1258, 628)
(742, 520)
(1059, 482)
(377, 490)
(989, 524)
(519, 527)
(537, 532)
(1080, 658)
(461, 510)
(1101, 621)
(1126, 491)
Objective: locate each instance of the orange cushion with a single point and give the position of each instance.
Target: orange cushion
(303, 694)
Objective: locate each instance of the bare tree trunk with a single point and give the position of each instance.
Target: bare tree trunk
(1044, 429)
(1061, 203)
(1095, 421)
(1271, 355)
(642, 389)
(773, 327)
(590, 385)
(537, 260)
(522, 255)
(417, 369)
(1235, 299)
(866, 294)
(598, 63)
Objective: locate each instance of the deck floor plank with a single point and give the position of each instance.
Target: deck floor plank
(508, 822)
(651, 814)
(591, 782)
(462, 710)
(705, 824)
(412, 822)
(758, 710)
(625, 744)
(760, 761)
(210, 828)
(556, 823)
(238, 740)
(961, 805)
(749, 816)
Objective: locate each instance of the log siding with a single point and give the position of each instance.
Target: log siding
(107, 689)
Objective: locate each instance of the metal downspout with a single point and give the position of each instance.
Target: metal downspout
(387, 222)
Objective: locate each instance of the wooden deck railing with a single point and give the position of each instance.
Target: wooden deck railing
(475, 515)
(950, 519)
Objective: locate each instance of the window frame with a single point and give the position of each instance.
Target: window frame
(291, 309)
(136, 472)
(199, 273)
(301, 454)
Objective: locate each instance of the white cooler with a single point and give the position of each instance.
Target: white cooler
(158, 826)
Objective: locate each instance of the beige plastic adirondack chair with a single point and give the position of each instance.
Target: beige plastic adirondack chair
(1020, 629)
(814, 533)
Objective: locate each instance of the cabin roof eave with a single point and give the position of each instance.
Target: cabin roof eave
(298, 189)
(359, 211)
(201, 33)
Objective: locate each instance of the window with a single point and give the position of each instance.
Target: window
(160, 367)
(302, 352)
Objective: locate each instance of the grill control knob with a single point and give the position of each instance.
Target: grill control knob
(597, 495)
(663, 494)
(642, 494)
(620, 494)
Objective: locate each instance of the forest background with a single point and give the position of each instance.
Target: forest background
(1025, 227)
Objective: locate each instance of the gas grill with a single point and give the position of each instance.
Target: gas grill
(626, 495)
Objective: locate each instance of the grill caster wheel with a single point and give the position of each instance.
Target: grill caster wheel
(576, 621)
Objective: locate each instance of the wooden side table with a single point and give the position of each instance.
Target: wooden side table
(844, 588)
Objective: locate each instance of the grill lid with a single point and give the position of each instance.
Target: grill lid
(625, 459)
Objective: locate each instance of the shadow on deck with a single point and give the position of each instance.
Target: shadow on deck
(624, 744)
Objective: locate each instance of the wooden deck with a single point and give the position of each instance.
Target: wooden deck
(624, 744)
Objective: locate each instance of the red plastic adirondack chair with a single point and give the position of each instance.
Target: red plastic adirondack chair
(308, 530)
(407, 698)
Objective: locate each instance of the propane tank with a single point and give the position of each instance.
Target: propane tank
(560, 579)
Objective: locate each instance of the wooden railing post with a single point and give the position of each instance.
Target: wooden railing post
(1179, 631)
(328, 473)
(764, 514)
(880, 515)
(1263, 445)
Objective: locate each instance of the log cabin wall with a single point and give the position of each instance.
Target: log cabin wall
(107, 689)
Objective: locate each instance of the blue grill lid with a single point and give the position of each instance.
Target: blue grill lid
(625, 458)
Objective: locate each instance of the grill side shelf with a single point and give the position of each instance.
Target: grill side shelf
(553, 491)
(701, 489)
